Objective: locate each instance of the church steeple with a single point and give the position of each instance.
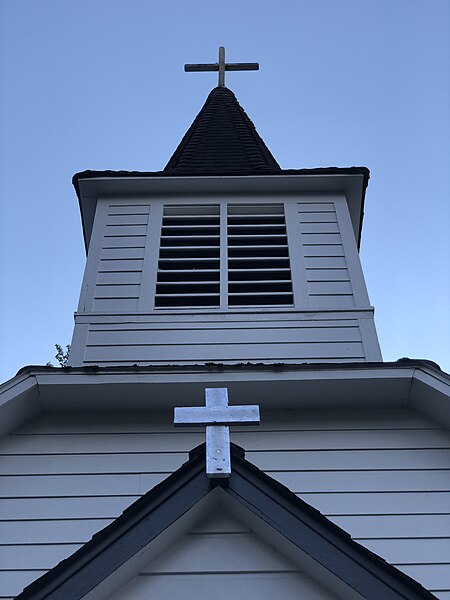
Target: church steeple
(223, 257)
(222, 140)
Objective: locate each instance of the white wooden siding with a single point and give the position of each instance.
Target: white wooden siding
(384, 476)
(221, 558)
(227, 337)
(117, 322)
(333, 276)
(120, 239)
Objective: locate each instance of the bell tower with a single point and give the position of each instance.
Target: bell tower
(223, 256)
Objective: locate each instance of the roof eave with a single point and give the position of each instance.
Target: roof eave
(91, 185)
(416, 384)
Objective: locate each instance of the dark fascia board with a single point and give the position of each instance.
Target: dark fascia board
(87, 219)
(305, 527)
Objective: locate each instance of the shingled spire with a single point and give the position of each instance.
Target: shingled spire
(222, 140)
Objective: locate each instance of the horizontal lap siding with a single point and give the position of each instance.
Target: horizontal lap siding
(121, 258)
(164, 339)
(219, 558)
(327, 274)
(382, 476)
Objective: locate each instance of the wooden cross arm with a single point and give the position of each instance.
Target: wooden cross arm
(230, 415)
(228, 67)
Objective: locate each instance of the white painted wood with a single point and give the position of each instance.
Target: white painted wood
(128, 208)
(114, 304)
(91, 463)
(13, 582)
(122, 253)
(78, 485)
(86, 463)
(327, 275)
(370, 339)
(92, 266)
(397, 551)
(150, 262)
(144, 422)
(204, 335)
(114, 291)
(433, 577)
(183, 441)
(322, 250)
(319, 206)
(219, 352)
(351, 254)
(86, 507)
(118, 265)
(72, 531)
(126, 228)
(329, 301)
(118, 221)
(245, 586)
(236, 552)
(121, 278)
(396, 503)
(319, 227)
(67, 474)
(34, 556)
(124, 241)
(221, 554)
(395, 526)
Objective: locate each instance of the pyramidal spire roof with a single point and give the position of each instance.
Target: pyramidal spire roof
(221, 140)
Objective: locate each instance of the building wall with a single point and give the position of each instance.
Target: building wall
(221, 558)
(381, 475)
(117, 322)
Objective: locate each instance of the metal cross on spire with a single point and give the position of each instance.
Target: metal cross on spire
(222, 66)
(217, 416)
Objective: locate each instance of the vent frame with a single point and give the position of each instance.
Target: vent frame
(220, 255)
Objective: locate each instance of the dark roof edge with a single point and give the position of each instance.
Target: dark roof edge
(248, 366)
(268, 499)
(90, 174)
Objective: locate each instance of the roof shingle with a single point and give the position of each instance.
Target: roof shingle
(221, 139)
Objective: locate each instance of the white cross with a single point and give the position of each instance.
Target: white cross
(217, 416)
(222, 66)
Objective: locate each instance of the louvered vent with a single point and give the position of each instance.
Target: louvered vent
(189, 257)
(259, 270)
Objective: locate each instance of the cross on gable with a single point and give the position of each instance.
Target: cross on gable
(222, 66)
(217, 415)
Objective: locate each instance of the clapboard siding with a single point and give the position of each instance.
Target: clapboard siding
(222, 558)
(384, 476)
(223, 338)
(239, 586)
(328, 281)
(123, 238)
(120, 282)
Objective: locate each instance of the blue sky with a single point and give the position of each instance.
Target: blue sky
(99, 84)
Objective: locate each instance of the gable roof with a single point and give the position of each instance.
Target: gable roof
(221, 138)
(298, 523)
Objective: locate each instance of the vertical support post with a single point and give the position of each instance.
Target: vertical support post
(221, 66)
(218, 459)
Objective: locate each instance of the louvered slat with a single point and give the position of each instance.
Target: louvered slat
(189, 257)
(258, 256)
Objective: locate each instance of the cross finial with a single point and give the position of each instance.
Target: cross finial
(217, 416)
(222, 66)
